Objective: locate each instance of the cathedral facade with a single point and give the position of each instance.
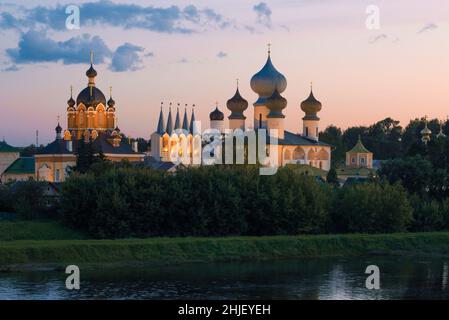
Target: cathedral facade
(90, 119)
(169, 141)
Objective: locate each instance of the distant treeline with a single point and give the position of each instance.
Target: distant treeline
(221, 201)
(387, 139)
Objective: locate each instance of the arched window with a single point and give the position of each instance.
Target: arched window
(298, 154)
(67, 135)
(312, 155)
(81, 118)
(323, 155)
(101, 118)
(165, 143)
(44, 173)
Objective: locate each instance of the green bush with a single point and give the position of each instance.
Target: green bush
(29, 200)
(204, 201)
(6, 203)
(372, 208)
(224, 200)
(430, 215)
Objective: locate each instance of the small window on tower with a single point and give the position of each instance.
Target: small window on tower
(260, 120)
(307, 131)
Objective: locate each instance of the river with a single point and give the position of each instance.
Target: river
(311, 278)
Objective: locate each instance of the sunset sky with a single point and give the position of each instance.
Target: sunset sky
(192, 51)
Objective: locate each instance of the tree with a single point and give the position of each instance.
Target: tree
(87, 156)
(332, 177)
(371, 208)
(384, 139)
(414, 173)
(29, 200)
(333, 136)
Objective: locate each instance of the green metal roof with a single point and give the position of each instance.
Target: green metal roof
(24, 165)
(362, 172)
(4, 147)
(306, 169)
(359, 148)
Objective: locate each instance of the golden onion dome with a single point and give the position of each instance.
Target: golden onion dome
(266, 80)
(276, 103)
(237, 105)
(216, 115)
(311, 106)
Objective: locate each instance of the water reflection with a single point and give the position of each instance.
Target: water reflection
(318, 278)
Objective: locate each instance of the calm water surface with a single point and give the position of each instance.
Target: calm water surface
(317, 278)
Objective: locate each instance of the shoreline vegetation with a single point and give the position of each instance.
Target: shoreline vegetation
(58, 253)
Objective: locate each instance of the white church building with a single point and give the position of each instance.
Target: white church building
(293, 148)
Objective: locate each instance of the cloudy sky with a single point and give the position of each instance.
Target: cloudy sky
(192, 51)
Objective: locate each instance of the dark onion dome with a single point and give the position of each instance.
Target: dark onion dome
(266, 80)
(71, 102)
(58, 128)
(276, 103)
(237, 105)
(216, 115)
(87, 99)
(91, 73)
(311, 107)
(111, 103)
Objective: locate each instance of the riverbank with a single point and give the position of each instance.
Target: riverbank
(169, 251)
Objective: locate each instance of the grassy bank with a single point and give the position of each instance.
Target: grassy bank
(36, 230)
(162, 251)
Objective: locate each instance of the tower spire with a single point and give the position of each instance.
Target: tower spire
(91, 57)
(177, 119)
(425, 133)
(185, 121)
(192, 127)
(169, 127)
(160, 125)
(269, 49)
